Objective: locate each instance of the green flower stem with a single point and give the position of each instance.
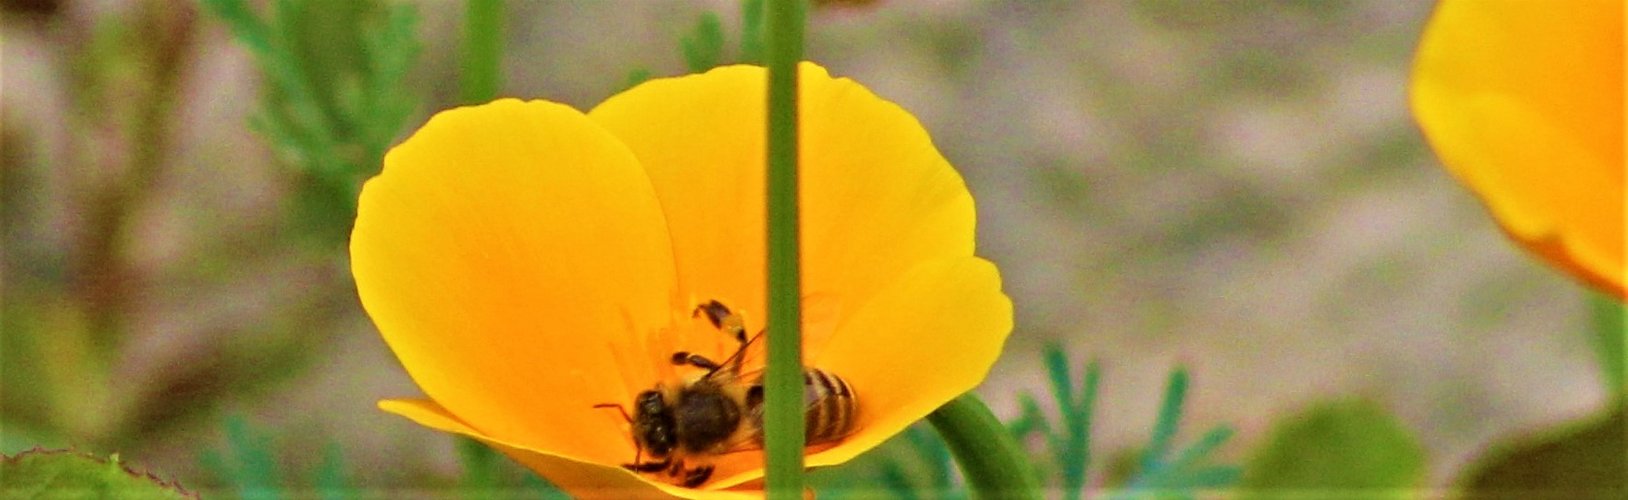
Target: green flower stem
(993, 463)
(783, 398)
(482, 51)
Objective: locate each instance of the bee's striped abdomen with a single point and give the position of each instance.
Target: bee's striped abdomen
(830, 404)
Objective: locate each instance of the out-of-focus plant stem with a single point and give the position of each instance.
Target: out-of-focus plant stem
(482, 71)
(783, 399)
(994, 464)
(101, 279)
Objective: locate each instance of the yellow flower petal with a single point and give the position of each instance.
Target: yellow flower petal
(1523, 102)
(510, 254)
(588, 480)
(923, 340)
(876, 196)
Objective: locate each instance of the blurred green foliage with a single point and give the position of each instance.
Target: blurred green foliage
(1584, 459)
(1069, 446)
(335, 97)
(481, 74)
(1165, 472)
(335, 94)
(248, 468)
(1170, 473)
(1346, 447)
(704, 46)
(918, 464)
(488, 474)
(40, 474)
(1609, 332)
(65, 317)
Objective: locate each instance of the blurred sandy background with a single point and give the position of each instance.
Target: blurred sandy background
(1233, 186)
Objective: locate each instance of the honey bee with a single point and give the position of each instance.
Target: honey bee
(722, 412)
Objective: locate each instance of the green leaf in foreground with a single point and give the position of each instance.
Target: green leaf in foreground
(1587, 459)
(1341, 448)
(69, 474)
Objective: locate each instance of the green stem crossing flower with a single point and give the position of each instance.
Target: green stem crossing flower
(783, 420)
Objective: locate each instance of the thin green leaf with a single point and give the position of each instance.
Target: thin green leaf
(295, 125)
(1174, 474)
(391, 50)
(1031, 420)
(1075, 457)
(1164, 429)
(1058, 372)
(314, 109)
(704, 46)
(751, 31)
(1201, 449)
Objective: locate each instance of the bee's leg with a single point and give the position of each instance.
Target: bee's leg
(654, 466)
(715, 311)
(697, 476)
(723, 319)
(697, 360)
(638, 451)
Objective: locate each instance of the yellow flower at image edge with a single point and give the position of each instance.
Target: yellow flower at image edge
(527, 262)
(1523, 102)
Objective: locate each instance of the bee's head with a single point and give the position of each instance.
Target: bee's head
(653, 424)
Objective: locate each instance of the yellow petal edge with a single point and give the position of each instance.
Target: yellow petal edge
(1523, 102)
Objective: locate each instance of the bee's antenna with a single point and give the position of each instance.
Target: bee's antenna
(618, 408)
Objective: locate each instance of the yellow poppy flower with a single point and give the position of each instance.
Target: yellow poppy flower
(526, 262)
(1523, 102)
